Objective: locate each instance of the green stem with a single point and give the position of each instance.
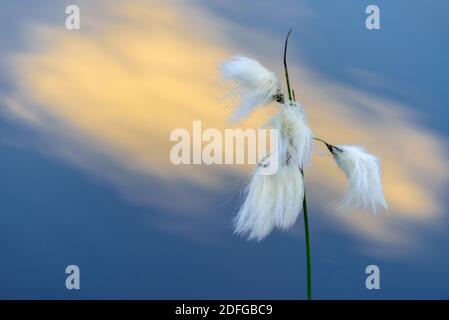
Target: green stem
(285, 66)
(304, 203)
(306, 228)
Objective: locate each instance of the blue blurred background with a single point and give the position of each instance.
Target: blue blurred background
(70, 195)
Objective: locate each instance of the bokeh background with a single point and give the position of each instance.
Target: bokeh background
(86, 179)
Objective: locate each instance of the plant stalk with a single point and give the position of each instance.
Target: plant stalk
(306, 229)
(304, 203)
(285, 66)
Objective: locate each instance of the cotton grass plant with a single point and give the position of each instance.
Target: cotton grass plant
(275, 201)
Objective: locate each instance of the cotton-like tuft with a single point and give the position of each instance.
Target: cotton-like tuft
(365, 189)
(295, 134)
(270, 201)
(255, 85)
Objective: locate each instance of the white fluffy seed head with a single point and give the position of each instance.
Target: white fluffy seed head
(295, 135)
(276, 200)
(270, 201)
(365, 189)
(290, 195)
(255, 84)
